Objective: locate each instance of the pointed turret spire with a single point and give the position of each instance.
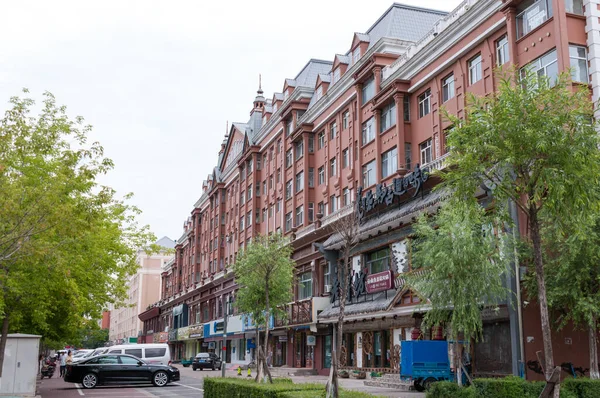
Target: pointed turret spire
(260, 91)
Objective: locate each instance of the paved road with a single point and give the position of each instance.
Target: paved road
(190, 385)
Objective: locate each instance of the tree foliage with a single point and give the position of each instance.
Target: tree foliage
(531, 142)
(461, 255)
(67, 245)
(264, 273)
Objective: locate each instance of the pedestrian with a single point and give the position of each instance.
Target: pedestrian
(69, 361)
(63, 363)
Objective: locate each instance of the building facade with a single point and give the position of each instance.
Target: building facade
(143, 290)
(359, 134)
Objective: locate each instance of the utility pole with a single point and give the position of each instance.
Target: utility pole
(224, 349)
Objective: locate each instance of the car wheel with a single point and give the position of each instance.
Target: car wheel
(194, 368)
(90, 380)
(212, 367)
(160, 379)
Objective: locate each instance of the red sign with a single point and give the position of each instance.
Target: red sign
(379, 282)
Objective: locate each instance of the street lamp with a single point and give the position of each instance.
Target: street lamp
(224, 349)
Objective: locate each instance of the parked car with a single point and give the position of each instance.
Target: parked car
(92, 353)
(114, 368)
(205, 360)
(153, 353)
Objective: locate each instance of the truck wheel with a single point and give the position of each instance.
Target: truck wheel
(418, 386)
(428, 382)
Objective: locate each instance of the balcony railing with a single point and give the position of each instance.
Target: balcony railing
(298, 312)
(336, 215)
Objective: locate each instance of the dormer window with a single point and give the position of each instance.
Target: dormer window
(336, 75)
(319, 92)
(356, 55)
(286, 95)
(275, 108)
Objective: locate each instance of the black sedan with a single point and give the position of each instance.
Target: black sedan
(111, 368)
(206, 360)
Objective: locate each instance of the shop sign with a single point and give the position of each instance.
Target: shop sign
(283, 338)
(212, 345)
(251, 343)
(386, 194)
(311, 340)
(379, 282)
(205, 344)
(173, 335)
(161, 337)
(196, 332)
(183, 333)
(218, 327)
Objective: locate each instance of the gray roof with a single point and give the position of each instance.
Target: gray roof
(402, 214)
(379, 302)
(344, 59)
(404, 22)
(308, 75)
(167, 242)
(278, 96)
(325, 78)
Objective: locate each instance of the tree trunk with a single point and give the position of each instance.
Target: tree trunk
(592, 332)
(332, 383)
(542, 298)
(458, 363)
(266, 370)
(257, 353)
(3, 339)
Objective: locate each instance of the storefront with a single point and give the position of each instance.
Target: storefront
(236, 348)
(160, 337)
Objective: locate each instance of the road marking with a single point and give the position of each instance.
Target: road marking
(193, 388)
(146, 393)
(78, 389)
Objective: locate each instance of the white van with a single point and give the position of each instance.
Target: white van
(151, 353)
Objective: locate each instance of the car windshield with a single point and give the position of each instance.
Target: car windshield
(203, 355)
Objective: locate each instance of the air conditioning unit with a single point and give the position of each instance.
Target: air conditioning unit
(327, 288)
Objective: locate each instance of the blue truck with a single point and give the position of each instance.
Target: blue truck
(425, 362)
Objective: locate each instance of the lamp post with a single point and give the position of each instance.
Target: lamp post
(224, 349)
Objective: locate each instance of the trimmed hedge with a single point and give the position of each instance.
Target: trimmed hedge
(281, 388)
(449, 389)
(514, 387)
(582, 387)
(243, 388)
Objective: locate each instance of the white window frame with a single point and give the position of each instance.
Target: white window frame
(369, 174)
(368, 131)
(388, 117)
(425, 151)
(299, 215)
(502, 51)
(333, 167)
(475, 69)
(448, 90)
(389, 162)
(575, 66)
(424, 103)
(299, 181)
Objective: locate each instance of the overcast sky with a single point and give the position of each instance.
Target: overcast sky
(159, 80)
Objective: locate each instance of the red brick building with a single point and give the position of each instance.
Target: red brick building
(364, 118)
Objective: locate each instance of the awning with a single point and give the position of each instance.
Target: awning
(149, 314)
(229, 337)
(392, 218)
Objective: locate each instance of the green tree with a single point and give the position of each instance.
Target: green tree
(264, 273)
(531, 142)
(67, 245)
(459, 264)
(573, 278)
(91, 336)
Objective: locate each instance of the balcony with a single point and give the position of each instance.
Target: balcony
(532, 17)
(302, 312)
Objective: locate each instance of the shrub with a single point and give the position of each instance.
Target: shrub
(239, 388)
(449, 389)
(582, 387)
(515, 387)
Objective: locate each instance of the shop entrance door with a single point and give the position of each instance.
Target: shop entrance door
(300, 340)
